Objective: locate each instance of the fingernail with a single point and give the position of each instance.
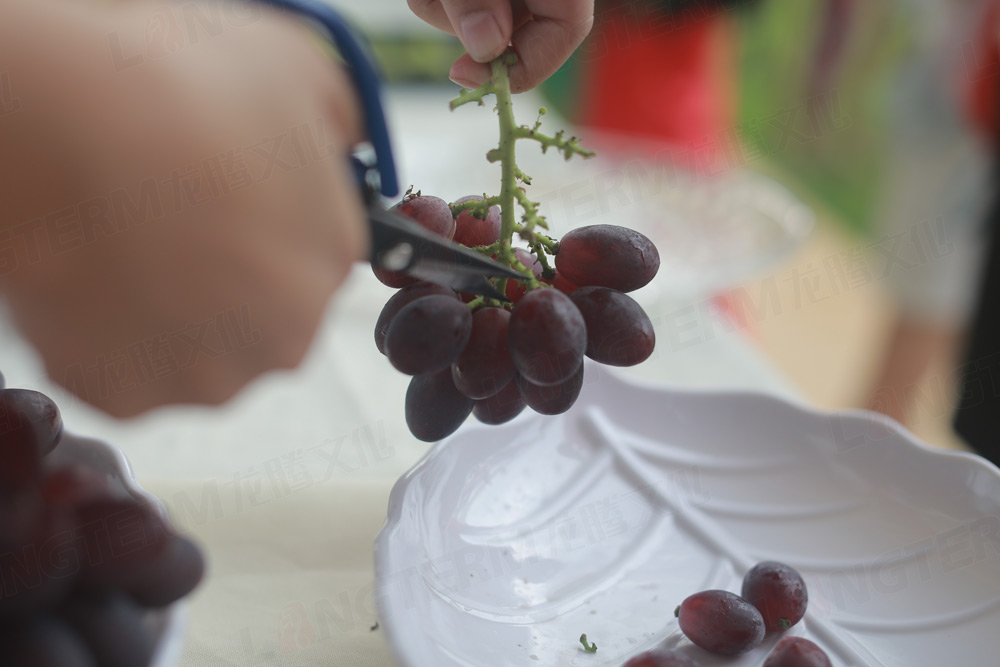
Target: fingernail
(465, 83)
(461, 80)
(481, 36)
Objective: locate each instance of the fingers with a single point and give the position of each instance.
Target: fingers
(483, 26)
(547, 34)
(432, 12)
(549, 39)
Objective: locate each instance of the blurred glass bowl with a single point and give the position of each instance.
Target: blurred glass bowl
(715, 221)
(714, 234)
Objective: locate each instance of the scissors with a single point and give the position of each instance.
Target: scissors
(397, 243)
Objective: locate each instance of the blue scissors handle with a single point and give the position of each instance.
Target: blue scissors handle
(366, 81)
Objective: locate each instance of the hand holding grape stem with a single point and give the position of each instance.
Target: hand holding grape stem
(543, 33)
(494, 358)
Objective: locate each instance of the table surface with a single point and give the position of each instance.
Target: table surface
(286, 486)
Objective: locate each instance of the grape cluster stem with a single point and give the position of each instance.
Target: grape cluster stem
(513, 179)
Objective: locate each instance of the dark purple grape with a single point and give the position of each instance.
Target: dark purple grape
(434, 407)
(547, 337)
(43, 642)
(117, 537)
(484, 367)
(502, 407)
(393, 278)
(797, 652)
(662, 658)
(778, 592)
(30, 427)
(516, 290)
(112, 626)
(607, 256)
(619, 332)
(472, 231)
(38, 558)
(400, 300)
(431, 213)
(553, 399)
(721, 622)
(428, 334)
(167, 576)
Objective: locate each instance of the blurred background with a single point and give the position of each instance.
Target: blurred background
(817, 170)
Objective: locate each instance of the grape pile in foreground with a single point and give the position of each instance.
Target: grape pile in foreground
(492, 358)
(79, 564)
(774, 598)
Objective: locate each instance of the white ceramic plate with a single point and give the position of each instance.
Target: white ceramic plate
(167, 624)
(504, 544)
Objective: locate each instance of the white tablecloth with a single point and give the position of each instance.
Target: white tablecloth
(286, 487)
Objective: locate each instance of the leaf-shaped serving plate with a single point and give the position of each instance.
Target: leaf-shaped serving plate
(504, 544)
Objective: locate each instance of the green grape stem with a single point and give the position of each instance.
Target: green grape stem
(568, 147)
(480, 209)
(469, 96)
(589, 647)
(511, 192)
(500, 77)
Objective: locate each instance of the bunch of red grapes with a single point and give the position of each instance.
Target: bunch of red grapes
(498, 358)
(80, 566)
(774, 598)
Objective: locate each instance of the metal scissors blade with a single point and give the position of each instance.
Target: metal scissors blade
(403, 246)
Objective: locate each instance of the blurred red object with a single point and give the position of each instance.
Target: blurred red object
(983, 63)
(667, 78)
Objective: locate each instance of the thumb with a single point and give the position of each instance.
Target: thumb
(484, 26)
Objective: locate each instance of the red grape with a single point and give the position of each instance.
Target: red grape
(428, 334)
(434, 407)
(74, 484)
(113, 628)
(30, 427)
(431, 213)
(167, 576)
(797, 652)
(547, 337)
(399, 300)
(484, 367)
(472, 231)
(516, 290)
(662, 658)
(619, 332)
(607, 256)
(721, 622)
(778, 592)
(560, 283)
(553, 399)
(43, 642)
(502, 407)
